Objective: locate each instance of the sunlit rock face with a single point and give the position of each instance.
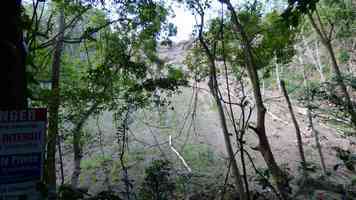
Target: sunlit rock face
(175, 54)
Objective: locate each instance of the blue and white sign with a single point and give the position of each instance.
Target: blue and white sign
(22, 139)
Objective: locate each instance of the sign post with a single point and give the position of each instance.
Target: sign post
(22, 139)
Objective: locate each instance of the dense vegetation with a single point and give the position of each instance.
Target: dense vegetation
(134, 115)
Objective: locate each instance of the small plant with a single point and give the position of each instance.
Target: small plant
(199, 156)
(114, 172)
(262, 178)
(158, 183)
(68, 192)
(95, 162)
(309, 166)
(105, 195)
(348, 159)
(353, 180)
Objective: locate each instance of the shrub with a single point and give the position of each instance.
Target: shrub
(158, 183)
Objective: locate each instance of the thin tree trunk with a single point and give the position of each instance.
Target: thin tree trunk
(318, 62)
(214, 90)
(278, 79)
(263, 88)
(229, 149)
(315, 58)
(77, 148)
(310, 120)
(326, 41)
(317, 140)
(279, 176)
(60, 155)
(54, 109)
(296, 126)
(235, 170)
(301, 61)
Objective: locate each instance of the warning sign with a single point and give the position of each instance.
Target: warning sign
(21, 153)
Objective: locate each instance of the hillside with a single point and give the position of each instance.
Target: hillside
(192, 120)
(258, 104)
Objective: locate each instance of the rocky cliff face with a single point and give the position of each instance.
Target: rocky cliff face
(175, 54)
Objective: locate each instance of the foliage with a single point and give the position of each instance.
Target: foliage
(296, 9)
(340, 15)
(198, 156)
(344, 56)
(278, 39)
(109, 60)
(336, 15)
(99, 50)
(348, 159)
(158, 183)
(263, 177)
(268, 34)
(95, 162)
(196, 63)
(110, 63)
(328, 91)
(68, 192)
(105, 195)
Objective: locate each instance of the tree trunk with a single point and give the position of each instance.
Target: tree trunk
(77, 148)
(213, 86)
(278, 175)
(54, 109)
(12, 71)
(297, 129)
(326, 41)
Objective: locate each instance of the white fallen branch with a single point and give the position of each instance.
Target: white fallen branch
(179, 156)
